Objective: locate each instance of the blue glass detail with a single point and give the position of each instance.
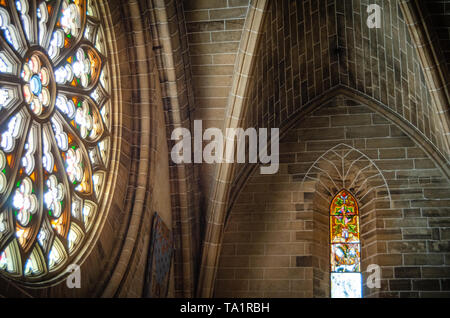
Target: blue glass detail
(36, 85)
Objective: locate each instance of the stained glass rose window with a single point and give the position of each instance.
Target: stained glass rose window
(54, 133)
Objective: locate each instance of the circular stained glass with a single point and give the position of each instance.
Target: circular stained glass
(54, 134)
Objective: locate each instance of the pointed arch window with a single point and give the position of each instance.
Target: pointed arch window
(345, 247)
(54, 133)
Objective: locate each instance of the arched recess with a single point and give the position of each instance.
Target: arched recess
(432, 151)
(342, 59)
(235, 188)
(343, 167)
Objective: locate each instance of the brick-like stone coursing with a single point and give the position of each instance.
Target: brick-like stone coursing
(276, 240)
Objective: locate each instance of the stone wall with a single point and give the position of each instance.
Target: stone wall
(307, 48)
(214, 30)
(276, 238)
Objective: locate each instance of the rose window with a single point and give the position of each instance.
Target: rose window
(54, 134)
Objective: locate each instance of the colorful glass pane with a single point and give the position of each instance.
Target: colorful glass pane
(8, 261)
(3, 180)
(54, 196)
(71, 13)
(344, 229)
(22, 8)
(9, 30)
(39, 83)
(33, 266)
(345, 258)
(25, 201)
(345, 246)
(30, 148)
(6, 63)
(81, 69)
(344, 204)
(8, 137)
(68, 28)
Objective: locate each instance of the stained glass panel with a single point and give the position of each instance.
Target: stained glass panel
(22, 8)
(345, 247)
(3, 180)
(345, 258)
(346, 285)
(344, 204)
(82, 69)
(7, 65)
(10, 32)
(344, 229)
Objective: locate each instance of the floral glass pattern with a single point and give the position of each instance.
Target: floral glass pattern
(54, 133)
(345, 246)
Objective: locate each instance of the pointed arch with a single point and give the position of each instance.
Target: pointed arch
(359, 174)
(228, 188)
(229, 179)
